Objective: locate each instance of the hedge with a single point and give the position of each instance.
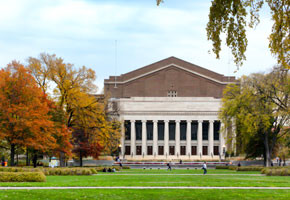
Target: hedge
(19, 169)
(68, 171)
(250, 168)
(22, 177)
(276, 171)
(222, 167)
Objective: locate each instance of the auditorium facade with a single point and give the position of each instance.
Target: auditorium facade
(169, 110)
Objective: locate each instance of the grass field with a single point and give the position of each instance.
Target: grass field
(140, 177)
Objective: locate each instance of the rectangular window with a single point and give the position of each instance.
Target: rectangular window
(149, 128)
(149, 150)
(172, 93)
(161, 131)
(216, 130)
(183, 130)
(194, 126)
(127, 130)
(204, 150)
(216, 150)
(127, 150)
(138, 150)
(182, 150)
(205, 126)
(193, 150)
(172, 130)
(160, 150)
(138, 129)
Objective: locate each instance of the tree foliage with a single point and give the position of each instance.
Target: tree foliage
(24, 119)
(232, 17)
(260, 106)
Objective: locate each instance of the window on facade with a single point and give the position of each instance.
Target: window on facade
(183, 130)
(138, 127)
(171, 130)
(149, 128)
(216, 130)
(194, 126)
(172, 93)
(171, 150)
(127, 130)
(205, 126)
(160, 130)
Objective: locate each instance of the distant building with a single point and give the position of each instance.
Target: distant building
(169, 110)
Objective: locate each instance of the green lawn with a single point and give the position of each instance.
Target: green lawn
(144, 194)
(175, 178)
(140, 177)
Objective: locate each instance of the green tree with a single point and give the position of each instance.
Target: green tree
(232, 17)
(260, 105)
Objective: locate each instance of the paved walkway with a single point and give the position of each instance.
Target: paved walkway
(149, 187)
(117, 174)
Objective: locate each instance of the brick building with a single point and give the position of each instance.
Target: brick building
(169, 110)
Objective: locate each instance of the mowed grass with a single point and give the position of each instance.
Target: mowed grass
(149, 194)
(164, 178)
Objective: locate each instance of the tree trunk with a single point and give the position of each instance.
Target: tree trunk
(34, 160)
(62, 159)
(81, 159)
(27, 158)
(12, 154)
(267, 150)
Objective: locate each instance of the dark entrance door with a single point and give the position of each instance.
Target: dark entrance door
(216, 150)
(160, 150)
(171, 150)
(149, 150)
(182, 150)
(204, 150)
(138, 150)
(193, 150)
(127, 150)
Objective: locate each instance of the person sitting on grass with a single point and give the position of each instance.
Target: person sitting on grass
(204, 168)
(109, 170)
(104, 170)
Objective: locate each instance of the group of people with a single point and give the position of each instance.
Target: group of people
(204, 167)
(4, 163)
(109, 170)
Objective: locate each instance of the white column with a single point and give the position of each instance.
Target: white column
(222, 140)
(122, 153)
(199, 138)
(177, 137)
(166, 138)
(144, 138)
(210, 139)
(155, 137)
(188, 138)
(133, 138)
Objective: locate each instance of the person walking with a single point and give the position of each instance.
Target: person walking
(168, 166)
(204, 168)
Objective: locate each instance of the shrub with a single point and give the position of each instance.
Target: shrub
(276, 171)
(233, 167)
(250, 168)
(222, 167)
(19, 169)
(68, 171)
(22, 177)
(126, 167)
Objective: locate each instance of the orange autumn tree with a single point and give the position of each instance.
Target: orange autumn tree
(24, 119)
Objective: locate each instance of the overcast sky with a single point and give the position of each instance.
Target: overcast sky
(83, 32)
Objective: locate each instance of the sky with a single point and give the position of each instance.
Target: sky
(116, 37)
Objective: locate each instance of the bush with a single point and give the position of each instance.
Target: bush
(250, 168)
(19, 169)
(276, 171)
(126, 167)
(22, 177)
(222, 167)
(68, 171)
(233, 167)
